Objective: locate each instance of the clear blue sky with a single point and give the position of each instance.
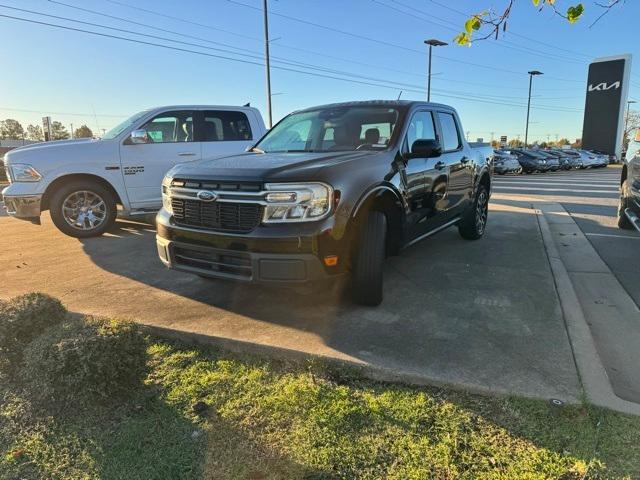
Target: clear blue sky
(56, 72)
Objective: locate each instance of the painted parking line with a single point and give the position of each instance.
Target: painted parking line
(610, 235)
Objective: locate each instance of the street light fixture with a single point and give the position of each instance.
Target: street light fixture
(532, 73)
(432, 43)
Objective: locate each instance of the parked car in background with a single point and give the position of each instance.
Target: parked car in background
(530, 161)
(553, 161)
(330, 190)
(505, 162)
(564, 161)
(81, 182)
(577, 159)
(612, 159)
(601, 160)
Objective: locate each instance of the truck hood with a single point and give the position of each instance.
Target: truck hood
(265, 166)
(38, 153)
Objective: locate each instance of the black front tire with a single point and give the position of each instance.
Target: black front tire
(473, 225)
(369, 259)
(57, 214)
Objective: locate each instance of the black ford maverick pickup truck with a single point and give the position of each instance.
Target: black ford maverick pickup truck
(329, 190)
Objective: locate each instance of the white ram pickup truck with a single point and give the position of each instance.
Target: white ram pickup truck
(82, 182)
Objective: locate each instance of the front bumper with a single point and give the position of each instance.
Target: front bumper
(25, 207)
(276, 255)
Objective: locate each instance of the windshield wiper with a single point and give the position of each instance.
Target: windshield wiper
(300, 151)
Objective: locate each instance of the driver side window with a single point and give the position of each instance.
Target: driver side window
(421, 127)
(170, 127)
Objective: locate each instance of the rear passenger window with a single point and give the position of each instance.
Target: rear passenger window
(450, 133)
(225, 126)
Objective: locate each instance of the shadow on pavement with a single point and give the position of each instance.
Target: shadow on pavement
(482, 315)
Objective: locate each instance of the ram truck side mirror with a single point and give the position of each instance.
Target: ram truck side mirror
(139, 136)
(425, 149)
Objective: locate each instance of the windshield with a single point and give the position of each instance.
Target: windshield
(121, 127)
(337, 129)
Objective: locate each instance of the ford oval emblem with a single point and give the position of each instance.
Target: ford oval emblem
(206, 196)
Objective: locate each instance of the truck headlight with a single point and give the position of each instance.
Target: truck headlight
(21, 172)
(297, 202)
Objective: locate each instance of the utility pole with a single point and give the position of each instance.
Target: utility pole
(72, 131)
(267, 63)
(526, 132)
(432, 43)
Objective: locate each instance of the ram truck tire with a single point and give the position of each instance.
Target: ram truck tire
(473, 225)
(369, 259)
(83, 209)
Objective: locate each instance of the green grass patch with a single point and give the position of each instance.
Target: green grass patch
(207, 414)
(270, 420)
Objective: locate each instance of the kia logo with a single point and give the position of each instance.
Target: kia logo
(206, 196)
(604, 86)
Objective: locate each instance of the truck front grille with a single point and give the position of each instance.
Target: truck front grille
(222, 216)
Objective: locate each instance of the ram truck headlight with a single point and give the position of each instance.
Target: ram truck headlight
(297, 202)
(21, 172)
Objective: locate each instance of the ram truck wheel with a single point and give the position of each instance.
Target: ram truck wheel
(369, 258)
(83, 209)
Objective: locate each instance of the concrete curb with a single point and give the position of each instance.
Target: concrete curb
(591, 370)
(365, 370)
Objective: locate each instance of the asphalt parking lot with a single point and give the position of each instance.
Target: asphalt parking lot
(484, 316)
(480, 315)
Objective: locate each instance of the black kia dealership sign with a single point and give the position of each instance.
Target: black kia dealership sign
(607, 90)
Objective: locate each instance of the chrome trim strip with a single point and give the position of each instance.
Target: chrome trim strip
(436, 230)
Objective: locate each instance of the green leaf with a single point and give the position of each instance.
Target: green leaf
(463, 39)
(536, 2)
(574, 13)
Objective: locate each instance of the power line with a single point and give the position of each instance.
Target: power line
(380, 42)
(259, 57)
(174, 48)
(8, 109)
(428, 17)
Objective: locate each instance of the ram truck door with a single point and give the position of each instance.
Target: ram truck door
(456, 157)
(224, 132)
(170, 140)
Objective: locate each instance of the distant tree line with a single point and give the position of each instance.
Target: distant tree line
(11, 129)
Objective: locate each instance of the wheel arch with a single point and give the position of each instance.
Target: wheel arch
(65, 179)
(385, 199)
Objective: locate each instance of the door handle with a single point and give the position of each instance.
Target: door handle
(440, 165)
(186, 154)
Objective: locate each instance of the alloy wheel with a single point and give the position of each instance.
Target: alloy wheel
(84, 210)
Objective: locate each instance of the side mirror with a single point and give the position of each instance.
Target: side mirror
(139, 136)
(425, 149)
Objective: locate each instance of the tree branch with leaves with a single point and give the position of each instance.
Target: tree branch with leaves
(491, 23)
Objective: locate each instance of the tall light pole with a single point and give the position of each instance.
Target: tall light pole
(267, 62)
(432, 43)
(526, 132)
